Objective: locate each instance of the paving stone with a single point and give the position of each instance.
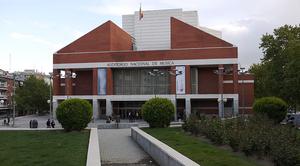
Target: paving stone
(117, 148)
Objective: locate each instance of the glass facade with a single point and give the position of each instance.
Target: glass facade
(136, 81)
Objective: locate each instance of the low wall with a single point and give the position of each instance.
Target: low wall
(160, 152)
(117, 125)
(93, 155)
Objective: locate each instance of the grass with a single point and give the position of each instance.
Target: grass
(43, 148)
(198, 150)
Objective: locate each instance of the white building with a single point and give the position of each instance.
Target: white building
(152, 32)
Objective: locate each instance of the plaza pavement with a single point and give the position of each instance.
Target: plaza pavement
(118, 148)
(23, 121)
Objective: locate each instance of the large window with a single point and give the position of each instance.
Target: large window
(138, 81)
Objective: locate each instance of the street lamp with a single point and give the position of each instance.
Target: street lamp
(175, 73)
(242, 72)
(155, 73)
(222, 72)
(68, 74)
(13, 98)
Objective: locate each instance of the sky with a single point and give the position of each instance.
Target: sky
(32, 30)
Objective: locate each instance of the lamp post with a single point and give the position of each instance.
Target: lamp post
(68, 74)
(222, 100)
(242, 72)
(175, 73)
(50, 95)
(14, 99)
(155, 73)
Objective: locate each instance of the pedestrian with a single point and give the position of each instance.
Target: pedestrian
(129, 116)
(30, 124)
(52, 124)
(48, 123)
(137, 115)
(4, 122)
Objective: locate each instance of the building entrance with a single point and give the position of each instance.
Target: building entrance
(128, 108)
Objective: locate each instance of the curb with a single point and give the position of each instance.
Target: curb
(93, 155)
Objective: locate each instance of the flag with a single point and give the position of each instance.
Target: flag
(141, 14)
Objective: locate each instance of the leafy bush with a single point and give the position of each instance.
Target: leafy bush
(233, 130)
(275, 108)
(285, 149)
(191, 125)
(74, 114)
(257, 135)
(158, 112)
(216, 131)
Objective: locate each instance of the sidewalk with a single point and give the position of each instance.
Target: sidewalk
(118, 148)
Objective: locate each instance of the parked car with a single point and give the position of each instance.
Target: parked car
(293, 119)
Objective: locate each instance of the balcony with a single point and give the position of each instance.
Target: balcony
(3, 96)
(3, 107)
(3, 86)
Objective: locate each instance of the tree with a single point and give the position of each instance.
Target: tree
(278, 73)
(32, 96)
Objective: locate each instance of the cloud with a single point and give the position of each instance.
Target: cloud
(77, 33)
(114, 8)
(231, 27)
(33, 38)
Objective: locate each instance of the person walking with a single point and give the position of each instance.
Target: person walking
(48, 123)
(52, 124)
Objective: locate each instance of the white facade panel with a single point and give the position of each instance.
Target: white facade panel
(152, 32)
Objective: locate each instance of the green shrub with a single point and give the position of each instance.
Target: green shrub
(275, 108)
(191, 125)
(216, 131)
(255, 139)
(74, 114)
(234, 129)
(285, 147)
(158, 112)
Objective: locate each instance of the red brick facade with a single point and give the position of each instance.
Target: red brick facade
(109, 44)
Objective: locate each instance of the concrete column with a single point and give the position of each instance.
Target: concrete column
(95, 109)
(54, 104)
(187, 107)
(108, 107)
(175, 106)
(236, 107)
(220, 90)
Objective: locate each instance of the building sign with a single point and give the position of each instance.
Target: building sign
(140, 64)
(101, 81)
(180, 80)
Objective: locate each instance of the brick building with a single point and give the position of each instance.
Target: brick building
(164, 54)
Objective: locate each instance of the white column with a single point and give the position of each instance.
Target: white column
(54, 104)
(95, 109)
(236, 107)
(175, 106)
(187, 107)
(108, 108)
